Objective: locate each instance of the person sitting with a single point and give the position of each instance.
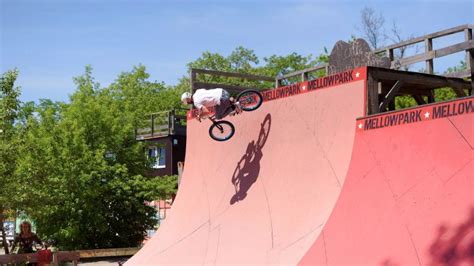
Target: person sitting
(218, 98)
(26, 239)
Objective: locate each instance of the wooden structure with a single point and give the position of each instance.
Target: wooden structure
(165, 136)
(108, 252)
(196, 84)
(428, 56)
(383, 85)
(163, 124)
(58, 257)
(385, 79)
(69, 256)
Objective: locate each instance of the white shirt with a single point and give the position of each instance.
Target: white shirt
(208, 98)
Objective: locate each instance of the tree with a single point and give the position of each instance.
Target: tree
(244, 60)
(9, 108)
(85, 168)
(372, 27)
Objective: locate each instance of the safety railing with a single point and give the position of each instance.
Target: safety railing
(430, 54)
(57, 258)
(162, 124)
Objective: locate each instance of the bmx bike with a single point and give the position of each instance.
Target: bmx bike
(248, 100)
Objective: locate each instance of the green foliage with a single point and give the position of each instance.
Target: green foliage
(243, 60)
(9, 109)
(83, 167)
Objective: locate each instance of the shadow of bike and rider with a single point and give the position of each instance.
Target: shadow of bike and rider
(248, 167)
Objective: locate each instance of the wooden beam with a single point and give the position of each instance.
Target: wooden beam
(428, 36)
(307, 70)
(433, 81)
(428, 56)
(232, 74)
(460, 74)
(372, 95)
(457, 89)
(192, 80)
(109, 252)
(390, 95)
(419, 99)
(413, 59)
(455, 48)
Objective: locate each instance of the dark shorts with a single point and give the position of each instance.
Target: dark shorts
(225, 107)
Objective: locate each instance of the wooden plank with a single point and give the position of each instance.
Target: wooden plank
(457, 89)
(419, 99)
(231, 74)
(428, 56)
(111, 252)
(428, 36)
(467, 45)
(460, 74)
(67, 256)
(424, 79)
(390, 95)
(299, 72)
(413, 59)
(18, 258)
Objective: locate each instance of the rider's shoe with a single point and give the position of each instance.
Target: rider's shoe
(238, 108)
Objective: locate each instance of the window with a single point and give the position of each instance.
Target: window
(158, 155)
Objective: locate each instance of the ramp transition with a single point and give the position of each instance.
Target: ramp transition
(284, 190)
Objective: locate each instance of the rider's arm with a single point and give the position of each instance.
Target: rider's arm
(203, 111)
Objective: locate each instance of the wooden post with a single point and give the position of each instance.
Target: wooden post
(192, 80)
(470, 57)
(152, 125)
(389, 54)
(372, 94)
(304, 76)
(277, 83)
(429, 62)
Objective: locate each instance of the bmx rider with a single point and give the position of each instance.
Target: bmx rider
(218, 98)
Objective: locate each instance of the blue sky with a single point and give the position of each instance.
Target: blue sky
(50, 41)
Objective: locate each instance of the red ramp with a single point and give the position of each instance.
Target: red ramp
(408, 198)
(288, 161)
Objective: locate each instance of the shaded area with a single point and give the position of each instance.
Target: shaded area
(455, 245)
(248, 167)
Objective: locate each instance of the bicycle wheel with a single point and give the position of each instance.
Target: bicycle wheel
(250, 100)
(221, 130)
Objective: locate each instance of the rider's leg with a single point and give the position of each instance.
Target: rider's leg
(224, 109)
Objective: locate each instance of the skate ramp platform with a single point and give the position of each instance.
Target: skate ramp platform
(408, 197)
(308, 180)
(263, 197)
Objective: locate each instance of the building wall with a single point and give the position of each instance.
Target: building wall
(175, 147)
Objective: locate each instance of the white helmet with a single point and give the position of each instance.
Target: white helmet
(185, 96)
